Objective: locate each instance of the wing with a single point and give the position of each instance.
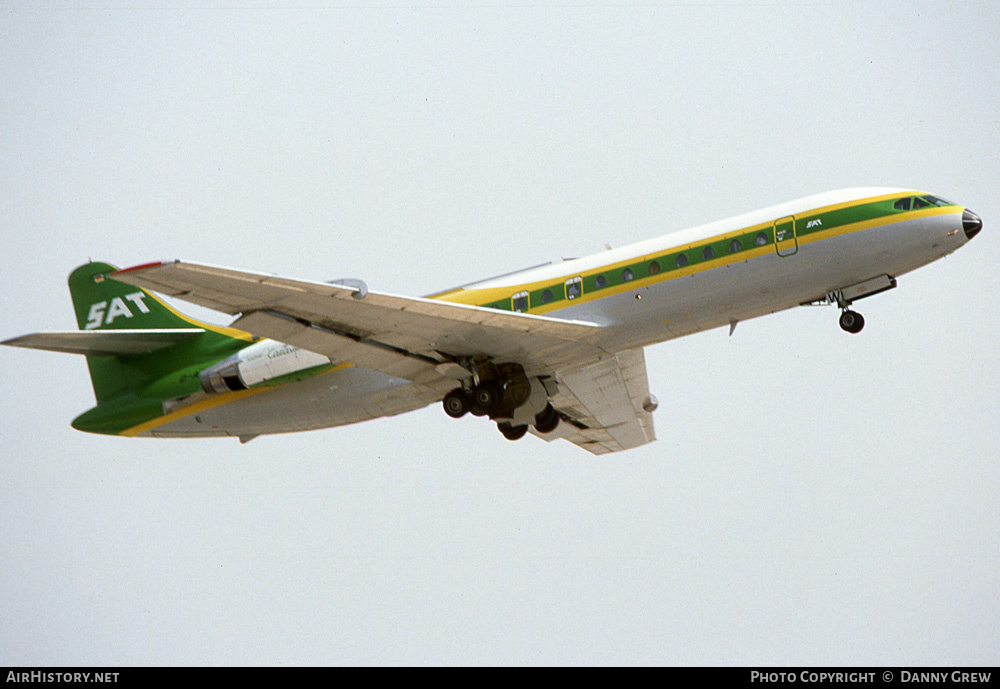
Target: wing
(606, 404)
(105, 342)
(599, 392)
(404, 336)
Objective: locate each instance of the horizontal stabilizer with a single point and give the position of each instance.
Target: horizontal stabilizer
(105, 342)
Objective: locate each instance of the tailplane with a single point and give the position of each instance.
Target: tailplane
(129, 336)
(142, 354)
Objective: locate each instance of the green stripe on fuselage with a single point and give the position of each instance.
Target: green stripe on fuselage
(754, 240)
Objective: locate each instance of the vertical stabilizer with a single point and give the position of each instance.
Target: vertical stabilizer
(101, 303)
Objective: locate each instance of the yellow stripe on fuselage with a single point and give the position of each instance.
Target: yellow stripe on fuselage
(480, 297)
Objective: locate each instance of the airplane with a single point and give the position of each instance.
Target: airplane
(555, 350)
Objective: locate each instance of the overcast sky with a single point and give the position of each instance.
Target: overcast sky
(813, 498)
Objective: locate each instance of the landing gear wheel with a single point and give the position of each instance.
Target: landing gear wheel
(456, 403)
(487, 397)
(852, 321)
(511, 432)
(546, 420)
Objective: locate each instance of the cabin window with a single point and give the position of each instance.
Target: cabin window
(574, 288)
(920, 203)
(627, 275)
(600, 281)
(761, 239)
(902, 204)
(707, 253)
(546, 296)
(681, 260)
(735, 246)
(520, 302)
(654, 267)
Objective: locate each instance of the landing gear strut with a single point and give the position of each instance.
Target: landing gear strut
(852, 321)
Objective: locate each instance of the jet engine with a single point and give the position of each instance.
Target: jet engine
(258, 363)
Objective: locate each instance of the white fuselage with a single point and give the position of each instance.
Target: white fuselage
(751, 284)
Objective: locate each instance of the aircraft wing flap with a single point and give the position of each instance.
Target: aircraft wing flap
(341, 348)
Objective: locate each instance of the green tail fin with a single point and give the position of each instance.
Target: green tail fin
(102, 303)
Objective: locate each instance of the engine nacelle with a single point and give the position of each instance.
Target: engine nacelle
(260, 362)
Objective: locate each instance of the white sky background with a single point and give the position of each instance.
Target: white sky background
(813, 497)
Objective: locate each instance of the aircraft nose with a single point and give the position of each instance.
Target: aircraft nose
(971, 223)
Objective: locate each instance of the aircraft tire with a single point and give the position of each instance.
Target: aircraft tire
(487, 396)
(852, 321)
(456, 403)
(546, 420)
(511, 432)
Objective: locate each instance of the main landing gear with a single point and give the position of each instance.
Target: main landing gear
(485, 399)
(507, 397)
(546, 421)
(457, 403)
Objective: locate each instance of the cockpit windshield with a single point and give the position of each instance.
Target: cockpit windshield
(937, 200)
(915, 202)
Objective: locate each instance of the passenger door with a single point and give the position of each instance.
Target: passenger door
(786, 241)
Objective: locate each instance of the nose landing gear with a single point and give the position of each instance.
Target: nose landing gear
(851, 321)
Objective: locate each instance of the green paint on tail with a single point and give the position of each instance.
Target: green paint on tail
(102, 303)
